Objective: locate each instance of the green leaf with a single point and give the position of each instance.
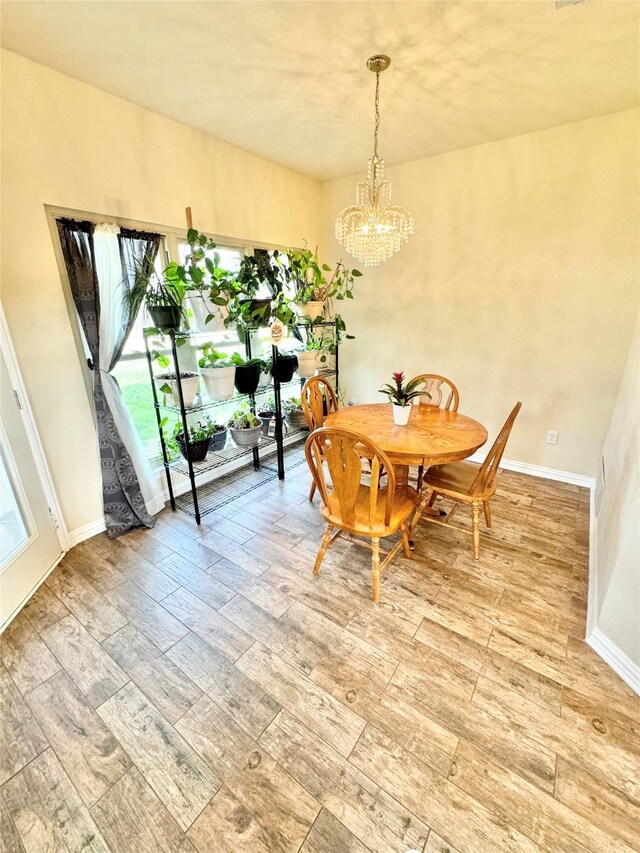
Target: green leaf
(350, 337)
(162, 360)
(192, 235)
(326, 267)
(166, 389)
(356, 273)
(208, 319)
(349, 294)
(219, 300)
(209, 265)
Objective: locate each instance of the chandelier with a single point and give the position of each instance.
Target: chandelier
(374, 228)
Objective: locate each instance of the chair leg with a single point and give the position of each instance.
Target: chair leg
(432, 499)
(419, 482)
(375, 568)
(475, 511)
(323, 549)
(312, 490)
(487, 513)
(405, 540)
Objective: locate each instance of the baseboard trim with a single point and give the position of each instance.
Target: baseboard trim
(541, 471)
(614, 657)
(86, 531)
(592, 582)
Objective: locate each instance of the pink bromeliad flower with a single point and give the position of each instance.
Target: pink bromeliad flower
(398, 378)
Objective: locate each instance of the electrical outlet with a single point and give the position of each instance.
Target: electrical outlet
(552, 436)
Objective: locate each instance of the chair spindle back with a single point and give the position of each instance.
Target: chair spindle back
(485, 481)
(318, 400)
(343, 452)
(446, 397)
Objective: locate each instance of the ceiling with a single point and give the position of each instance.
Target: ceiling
(287, 80)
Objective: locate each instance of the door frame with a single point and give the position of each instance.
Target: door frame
(28, 420)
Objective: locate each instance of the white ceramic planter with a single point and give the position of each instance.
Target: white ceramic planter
(307, 363)
(266, 377)
(401, 414)
(190, 389)
(201, 307)
(312, 310)
(219, 381)
(246, 437)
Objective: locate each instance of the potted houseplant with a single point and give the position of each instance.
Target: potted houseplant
(206, 283)
(218, 372)
(266, 375)
(293, 414)
(400, 396)
(313, 292)
(284, 366)
(267, 413)
(247, 373)
(218, 437)
(199, 440)
(162, 296)
(307, 361)
(245, 428)
(168, 385)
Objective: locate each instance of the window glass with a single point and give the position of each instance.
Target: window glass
(13, 530)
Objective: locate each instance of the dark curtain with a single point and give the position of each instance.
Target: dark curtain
(135, 247)
(124, 506)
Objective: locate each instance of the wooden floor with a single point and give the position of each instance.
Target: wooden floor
(185, 688)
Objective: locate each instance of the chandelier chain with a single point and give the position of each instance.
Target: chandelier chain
(377, 124)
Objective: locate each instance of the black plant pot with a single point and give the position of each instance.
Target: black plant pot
(199, 449)
(166, 317)
(259, 311)
(218, 440)
(284, 367)
(247, 378)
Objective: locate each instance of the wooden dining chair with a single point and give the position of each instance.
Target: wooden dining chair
(465, 483)
(318, 400)
(349, 506)
(443, 394)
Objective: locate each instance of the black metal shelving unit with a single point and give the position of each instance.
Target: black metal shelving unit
(204, 498)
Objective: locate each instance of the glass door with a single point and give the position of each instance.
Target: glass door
(29, 544)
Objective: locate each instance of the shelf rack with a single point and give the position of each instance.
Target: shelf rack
(203, 498)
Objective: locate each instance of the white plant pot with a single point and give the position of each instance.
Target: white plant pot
(312, 310)
(190, 390)
(266, 377)
(246, 437)
(219, 381)
(307, 362)
(201, 307)
(326, 360)
(401, 414)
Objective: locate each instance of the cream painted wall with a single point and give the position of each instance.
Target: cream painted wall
(521, 282)
(618, 522)
(68, 144)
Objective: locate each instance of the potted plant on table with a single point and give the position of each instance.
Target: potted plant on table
(247, 373)
(245, 428)
(400, 396)
(218, 372)
(293, 414)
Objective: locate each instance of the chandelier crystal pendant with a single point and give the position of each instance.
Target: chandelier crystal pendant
(374, 228)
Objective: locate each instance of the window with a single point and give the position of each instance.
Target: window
(132, 371)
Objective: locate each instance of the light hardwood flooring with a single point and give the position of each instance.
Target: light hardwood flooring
(196, 688)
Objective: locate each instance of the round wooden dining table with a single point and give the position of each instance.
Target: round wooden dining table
(433, 436)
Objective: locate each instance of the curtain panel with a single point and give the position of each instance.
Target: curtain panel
(124, 504)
